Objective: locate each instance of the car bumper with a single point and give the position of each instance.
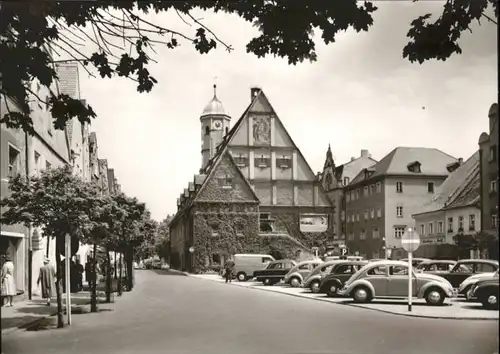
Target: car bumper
(342, 292)
(453, 292)
(471, 295)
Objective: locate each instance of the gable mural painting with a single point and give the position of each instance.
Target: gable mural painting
(262, 130)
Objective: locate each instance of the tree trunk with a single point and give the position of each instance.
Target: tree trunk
(93, 297)
(60, 319)
(115, 264)
(129, 261)
(120, 276)
(48, 246)
(108, 277)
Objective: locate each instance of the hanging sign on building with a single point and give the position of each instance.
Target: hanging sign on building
(36, 240)
(313, 222)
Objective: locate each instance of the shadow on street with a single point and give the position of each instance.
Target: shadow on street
(17, 322)
(389, 302)
(167, 272)
(476, 307)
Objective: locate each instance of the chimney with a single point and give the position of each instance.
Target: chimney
(353, 158)
(365, 153)
(460, 161)
(253, 92)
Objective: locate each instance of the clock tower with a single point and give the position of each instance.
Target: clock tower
(214, 125)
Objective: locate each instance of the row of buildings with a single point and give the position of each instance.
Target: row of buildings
(255, 192)
(28, 155)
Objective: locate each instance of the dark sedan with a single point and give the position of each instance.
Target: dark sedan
(275, 271)
(339, 274)
(486, 291)
(467, 267)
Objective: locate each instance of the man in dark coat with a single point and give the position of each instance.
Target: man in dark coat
(229, 268)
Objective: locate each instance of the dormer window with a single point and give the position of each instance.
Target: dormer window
(452, 166)
(414, 167)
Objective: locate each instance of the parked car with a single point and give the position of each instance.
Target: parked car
(415, 261)
(165, 266)
(340, 273)
(390, 279)
(275, 271)
(486, 291)
(296, 275)
(467, 284)
(313, 280)
(467, 267)
(436, 266)
(246, 264)
(375, 260)
(156, 264)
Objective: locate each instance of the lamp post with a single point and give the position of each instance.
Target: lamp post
(191, 252)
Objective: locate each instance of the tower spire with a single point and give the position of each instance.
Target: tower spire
(215, 90)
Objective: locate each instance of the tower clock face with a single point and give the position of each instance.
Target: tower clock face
(217, 125)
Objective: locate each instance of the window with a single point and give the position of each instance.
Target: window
(372, 189)
(348, 197)
(440, 227)
(13, 161)
(493, 186)
(227, 130)
(399, 211)
(494, 221)
(266, 259)
(346, 181)
(375, 233)
(450, 224)
(275, 266)
(430, 187)
(399, 187)
(398, 270)
(343, 269)
(379, 187)
(357, 217)
(305, 267)
(372, 213)
(379, 213)
(365, 191)
(207, 130)
(366, 214)
(353, 195)
(484, 268)
(350, 237)
(37, 163)
(493, 153)
(399, 231)
(431, 228)
(358, 192)
(380, 270)
(472, 222)
(47, 165)
(375, 255)
(362, 235)
(422, 229)
(460, 223)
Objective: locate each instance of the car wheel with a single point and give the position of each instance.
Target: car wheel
(267, 282)
(490, 301)
(241, 276)
(434, 297)
(315, 287)
(332, 290)
(362, 294)
(295, 282)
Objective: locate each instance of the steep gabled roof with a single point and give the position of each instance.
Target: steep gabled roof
(458, 188)
(432, 161)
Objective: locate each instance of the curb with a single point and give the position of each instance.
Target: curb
(360, 306)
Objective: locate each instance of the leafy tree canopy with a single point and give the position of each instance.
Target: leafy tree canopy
(57, 201)
(33, 32)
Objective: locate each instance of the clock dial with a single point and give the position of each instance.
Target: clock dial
(217, 125)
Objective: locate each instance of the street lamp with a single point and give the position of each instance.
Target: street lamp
(191, 251)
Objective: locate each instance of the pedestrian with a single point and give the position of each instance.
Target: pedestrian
(79, 272)
(8, 283)
(47, 279)
(229, 266)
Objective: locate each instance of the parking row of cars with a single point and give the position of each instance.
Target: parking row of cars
(361, 280)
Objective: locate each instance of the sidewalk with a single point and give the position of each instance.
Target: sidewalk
(457, 309)
(25, 313)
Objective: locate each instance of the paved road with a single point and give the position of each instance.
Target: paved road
(178, 314)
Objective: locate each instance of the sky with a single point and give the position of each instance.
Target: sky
(360, 94)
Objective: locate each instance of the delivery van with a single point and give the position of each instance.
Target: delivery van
(245, 264)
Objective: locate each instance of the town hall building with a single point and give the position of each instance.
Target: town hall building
(255, 193)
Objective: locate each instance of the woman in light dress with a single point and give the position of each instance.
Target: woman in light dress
(8, 284)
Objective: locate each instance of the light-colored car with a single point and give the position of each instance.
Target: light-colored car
(296, 275)
(390, 279)
(436, 266)
(165, 266)
(313, 280)
(467, 284)
(245, 264)
(415, 261)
